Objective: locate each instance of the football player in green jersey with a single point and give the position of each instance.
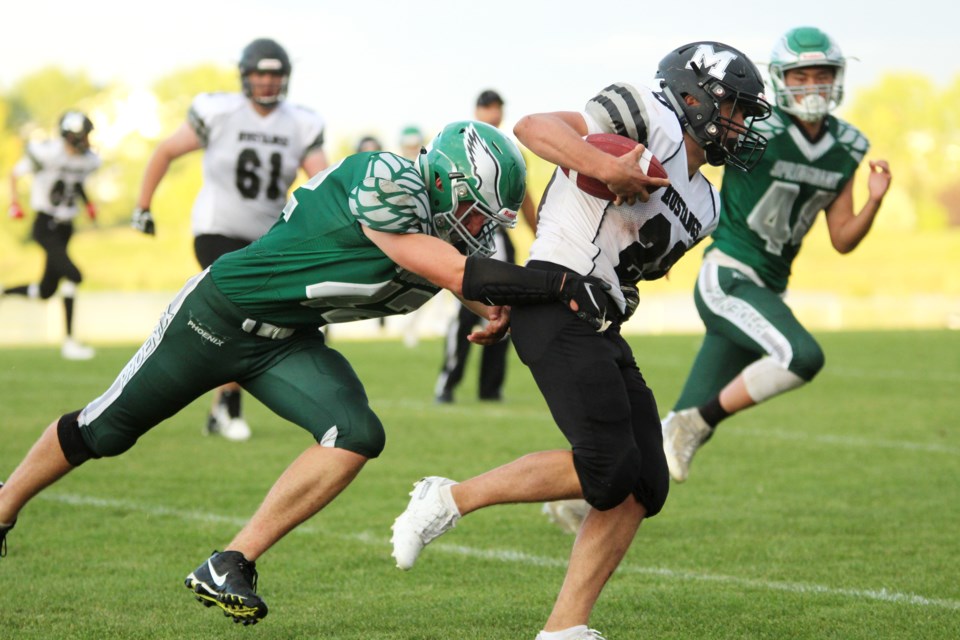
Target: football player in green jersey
(374, 235)
(754, 347)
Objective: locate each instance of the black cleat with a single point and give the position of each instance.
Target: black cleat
(229, 581)
(3, 535)
(212, 427)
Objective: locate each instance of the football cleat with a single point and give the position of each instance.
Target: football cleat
(219, 422)
(3, 538)
(212, 427)
(427, 516)
(235, 429)
(227, 579)
(683, 433)
(566, 514)
(73, 350)
(3, 535)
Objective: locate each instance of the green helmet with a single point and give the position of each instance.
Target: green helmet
(471, 161)
(807, 47)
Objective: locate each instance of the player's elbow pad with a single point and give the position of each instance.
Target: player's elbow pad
(496, 282)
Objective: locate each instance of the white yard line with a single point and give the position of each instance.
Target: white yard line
(847, 441)
(519, 557)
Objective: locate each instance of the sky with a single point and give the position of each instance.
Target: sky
(379, 65)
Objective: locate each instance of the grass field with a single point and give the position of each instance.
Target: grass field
(829, 513)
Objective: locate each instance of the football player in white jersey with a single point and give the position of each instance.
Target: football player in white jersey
(253, 144)
(710, 95)
(59, 167)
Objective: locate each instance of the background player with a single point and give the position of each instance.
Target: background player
(456, 346)
(754, 347)
(253, 144)
(59, 167)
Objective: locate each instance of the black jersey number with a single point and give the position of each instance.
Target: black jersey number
(649, 257)
(64, 194)
(248, 182)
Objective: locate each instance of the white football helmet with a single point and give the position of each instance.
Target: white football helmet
(807, 47)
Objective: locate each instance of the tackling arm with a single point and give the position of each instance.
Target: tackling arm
(493, 282)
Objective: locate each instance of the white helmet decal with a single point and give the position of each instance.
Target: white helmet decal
(705, 57)
(484, 163)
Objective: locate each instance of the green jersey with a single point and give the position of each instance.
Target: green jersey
(765, 214)
(315, 266)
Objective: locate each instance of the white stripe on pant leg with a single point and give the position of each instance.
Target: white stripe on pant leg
(743, 316)
(93, 410)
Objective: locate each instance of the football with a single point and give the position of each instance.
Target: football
(614, 145)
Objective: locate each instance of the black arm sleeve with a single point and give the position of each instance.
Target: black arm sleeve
(496, 282)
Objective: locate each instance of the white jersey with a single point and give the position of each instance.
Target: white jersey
(628, 243)
(249, 162)
(58, 177)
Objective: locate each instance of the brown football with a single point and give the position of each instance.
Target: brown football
(614, 145)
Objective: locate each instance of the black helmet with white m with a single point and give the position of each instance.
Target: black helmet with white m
(75, 128)
(265, 56)
(714, 73)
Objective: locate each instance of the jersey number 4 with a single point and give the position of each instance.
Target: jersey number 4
(64, 194)
(248, 180)
(770, 217)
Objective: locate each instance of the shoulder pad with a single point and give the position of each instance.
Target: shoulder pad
(620, 108)
(850, 138)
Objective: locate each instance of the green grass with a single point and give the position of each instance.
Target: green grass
(829, 513)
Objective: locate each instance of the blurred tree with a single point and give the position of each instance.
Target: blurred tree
(38, 100)
(175, 91)
(904, 117)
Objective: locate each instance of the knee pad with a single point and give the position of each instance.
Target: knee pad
(68, 289)
(767, 378)
(75, 450)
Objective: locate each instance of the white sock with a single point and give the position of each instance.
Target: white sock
(564, 634)
(448, 500)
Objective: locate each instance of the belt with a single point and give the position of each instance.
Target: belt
(266, 330)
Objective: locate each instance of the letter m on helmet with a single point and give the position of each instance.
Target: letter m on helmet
(705, 57)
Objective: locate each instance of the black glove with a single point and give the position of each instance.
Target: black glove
(591, 297)
(632, 296)
(143, 222)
